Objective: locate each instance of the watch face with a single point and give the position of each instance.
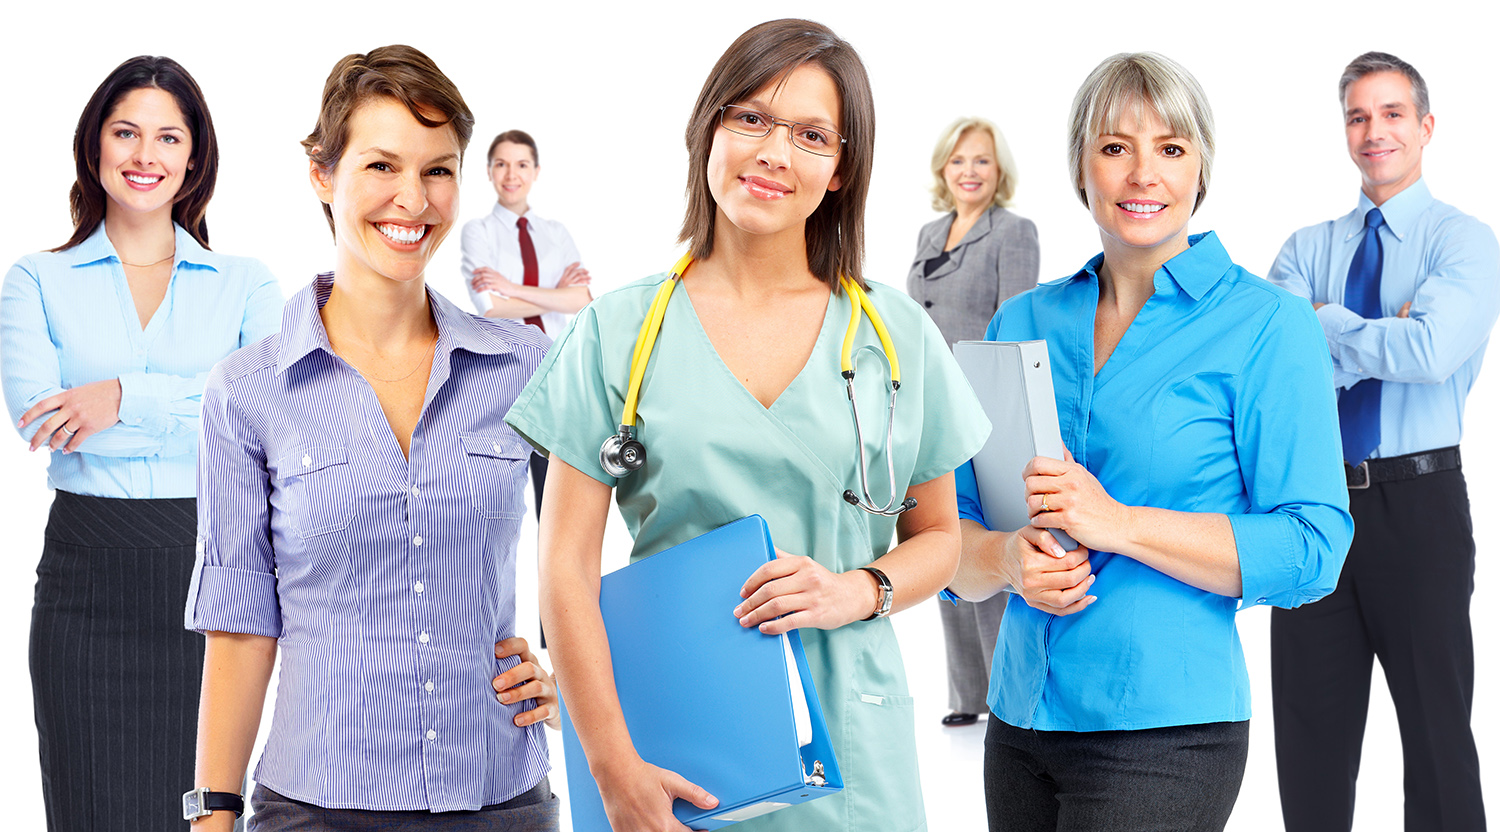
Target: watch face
(192, 805)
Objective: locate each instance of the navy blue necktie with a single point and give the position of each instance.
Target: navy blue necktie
(1359, 407)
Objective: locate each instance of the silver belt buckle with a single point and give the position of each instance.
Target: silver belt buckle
(1361, 479)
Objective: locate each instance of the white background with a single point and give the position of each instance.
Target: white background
(1270, 70)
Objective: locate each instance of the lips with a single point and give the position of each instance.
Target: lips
(143, 181)
(762, 188)
(403, 235)
(1141, 208)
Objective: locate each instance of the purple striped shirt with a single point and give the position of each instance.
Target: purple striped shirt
(387, 580)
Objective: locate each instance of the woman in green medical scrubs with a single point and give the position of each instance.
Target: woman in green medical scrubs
(743, 411)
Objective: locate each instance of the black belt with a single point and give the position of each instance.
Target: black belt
(1407, 467)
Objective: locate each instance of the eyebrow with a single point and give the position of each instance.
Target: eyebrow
(125, 123)
(1393, 105)
(382, 152)
(757, 104)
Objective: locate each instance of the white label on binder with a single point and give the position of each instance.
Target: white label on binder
(800, 714)
(754, 810)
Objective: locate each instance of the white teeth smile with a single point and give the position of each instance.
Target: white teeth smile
(143, 180)
(401, 233)
(1141, 207)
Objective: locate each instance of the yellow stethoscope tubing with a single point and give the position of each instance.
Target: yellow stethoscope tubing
(645, 342)
(858, 301)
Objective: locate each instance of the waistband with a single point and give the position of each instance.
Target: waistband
(117, 523)
(1404, 467)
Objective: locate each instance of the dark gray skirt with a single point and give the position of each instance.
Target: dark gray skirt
(114, 675)
(534, 810)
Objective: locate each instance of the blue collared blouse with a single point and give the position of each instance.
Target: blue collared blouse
(1217, 399)
(387, 579)
(68, 319)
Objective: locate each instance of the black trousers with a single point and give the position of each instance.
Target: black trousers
(1183, 778)
(114, 676)
(1403, 597)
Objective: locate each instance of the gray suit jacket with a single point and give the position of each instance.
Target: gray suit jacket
(998, 258)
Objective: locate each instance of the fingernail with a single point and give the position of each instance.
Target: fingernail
(1091, 598)
(1091, 579)
(745, 622)
(503, 697)
(739, 611)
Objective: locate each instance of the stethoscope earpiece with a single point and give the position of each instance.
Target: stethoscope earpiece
(622, 454)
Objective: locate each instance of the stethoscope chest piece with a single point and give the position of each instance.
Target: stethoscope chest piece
(622, 454)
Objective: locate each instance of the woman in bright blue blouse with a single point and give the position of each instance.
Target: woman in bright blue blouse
(1195, 398)
(107, 342)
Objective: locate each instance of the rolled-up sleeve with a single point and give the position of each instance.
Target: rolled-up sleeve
(234, 580)
(1296, 533)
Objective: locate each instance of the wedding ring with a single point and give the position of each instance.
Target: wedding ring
(68, 432)
(1044, 503)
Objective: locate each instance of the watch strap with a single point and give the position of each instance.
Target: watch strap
(201, 802)
(883, 605)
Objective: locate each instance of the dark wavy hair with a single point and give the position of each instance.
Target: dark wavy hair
(398, 72)
(88, 200)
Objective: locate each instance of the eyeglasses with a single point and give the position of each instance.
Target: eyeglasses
(819, 141)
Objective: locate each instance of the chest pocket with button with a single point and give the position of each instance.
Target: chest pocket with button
(496, 465)
(317, 485)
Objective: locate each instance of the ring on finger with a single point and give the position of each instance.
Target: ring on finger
(64, 429)
(1044, 503)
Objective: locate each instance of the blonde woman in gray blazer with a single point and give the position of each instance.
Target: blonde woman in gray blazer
(968, 262)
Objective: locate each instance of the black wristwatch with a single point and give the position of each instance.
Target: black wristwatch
(200, 803)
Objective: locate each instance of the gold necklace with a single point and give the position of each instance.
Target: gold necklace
(394, 380)
(148, 265)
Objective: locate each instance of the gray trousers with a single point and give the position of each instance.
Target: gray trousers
(970, 631)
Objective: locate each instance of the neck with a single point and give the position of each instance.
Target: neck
(763, 264)
(1379, 194)
(377, 312)
(141, 238)
(518, 210)
(967, 214)
(1128, 276)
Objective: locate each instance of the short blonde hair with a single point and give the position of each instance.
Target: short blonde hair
(1138, 80)
(1005, 188)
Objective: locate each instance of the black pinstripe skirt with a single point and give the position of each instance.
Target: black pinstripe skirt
(114, 675)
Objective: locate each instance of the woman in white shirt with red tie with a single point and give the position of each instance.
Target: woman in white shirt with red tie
(520, 265)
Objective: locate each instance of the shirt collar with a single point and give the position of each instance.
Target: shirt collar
(1400, 211)
(1195, 271)
(302, 327)
(97, 247)
(508, 217)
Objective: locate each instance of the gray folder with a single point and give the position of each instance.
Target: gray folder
(1013, 380)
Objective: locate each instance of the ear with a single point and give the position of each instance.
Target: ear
(322, 184)
(1427, 123)
(190, 164)
(836, 182)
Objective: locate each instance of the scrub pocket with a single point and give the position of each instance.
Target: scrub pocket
(496, 466)
(879, 762)
(318, 487)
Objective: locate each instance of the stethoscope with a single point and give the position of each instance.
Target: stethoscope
(622, 453)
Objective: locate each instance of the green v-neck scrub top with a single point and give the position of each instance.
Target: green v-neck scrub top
(715, 455)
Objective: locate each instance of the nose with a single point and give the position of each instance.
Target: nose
(776, 154)
(1145, 171)
(145, 153)
(411, 195)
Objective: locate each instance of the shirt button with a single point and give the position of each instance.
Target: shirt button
(306, 459)
(415, 491)
(496, 446)
(423, 637)
(418, 587)
(431, 734)
(416, 541)
(428, 687)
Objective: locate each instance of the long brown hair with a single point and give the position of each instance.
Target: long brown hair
(88, 200)
(398, 72)
(836, 230)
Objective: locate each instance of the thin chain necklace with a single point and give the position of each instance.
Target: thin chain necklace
(149, 265)
(394, 380)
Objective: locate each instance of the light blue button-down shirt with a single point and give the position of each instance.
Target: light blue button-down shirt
(387, 579)
(67, 318)
(1215, 400)
(1442, 261)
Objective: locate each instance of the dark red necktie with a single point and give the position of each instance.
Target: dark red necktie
(528, 264)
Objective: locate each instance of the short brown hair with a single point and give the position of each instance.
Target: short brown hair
(514, 137)
(836, 230)
(87, 198)
(398, 72)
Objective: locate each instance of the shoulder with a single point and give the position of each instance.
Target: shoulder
(900, 313)
(631, 300)
(253, 359)
(1270, 312)
(44, 264)
(1451, 227)
(1006, 219)
(247, 270)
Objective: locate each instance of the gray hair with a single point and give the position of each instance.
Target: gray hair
(1005, 188)
(1138, 81)
(1372, 62)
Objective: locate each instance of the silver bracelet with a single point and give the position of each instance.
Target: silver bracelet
(883, 608)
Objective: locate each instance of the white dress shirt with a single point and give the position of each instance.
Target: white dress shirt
(494, 241)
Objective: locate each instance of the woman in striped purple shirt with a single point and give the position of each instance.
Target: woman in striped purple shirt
(359, 502)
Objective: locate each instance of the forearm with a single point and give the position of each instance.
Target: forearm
(504, 307)
(566, 299)
(236, 671)
(979, 575)
(928, 542)
(1193, 547)
(570, 539)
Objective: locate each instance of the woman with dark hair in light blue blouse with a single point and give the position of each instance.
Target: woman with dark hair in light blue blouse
(107, 342)
(1195, 398)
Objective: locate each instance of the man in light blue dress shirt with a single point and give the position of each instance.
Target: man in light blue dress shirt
(1407, 289)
